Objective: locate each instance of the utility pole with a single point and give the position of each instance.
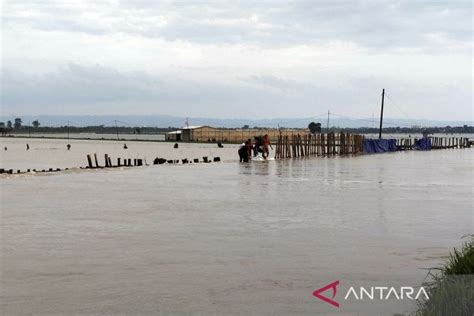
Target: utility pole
(381, 114)
(116, 129)
(68, 129)
(327, 126)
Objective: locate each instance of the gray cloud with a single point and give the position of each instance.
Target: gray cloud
(237, 58)
(126, 92)
(373, 24)
(101, 90)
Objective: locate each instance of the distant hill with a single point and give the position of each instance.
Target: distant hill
(176, 121)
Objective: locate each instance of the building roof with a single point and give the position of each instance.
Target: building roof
(195, 127)
(174, 132)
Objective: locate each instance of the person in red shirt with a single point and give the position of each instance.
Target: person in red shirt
(266, 144)
(249, 146)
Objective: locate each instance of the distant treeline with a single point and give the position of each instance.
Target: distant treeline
(86, 129)
(18, 128)
(409, 130)
(465, 129)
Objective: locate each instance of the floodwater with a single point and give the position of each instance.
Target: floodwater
(53, 153)
(150, 137)
(222, 238)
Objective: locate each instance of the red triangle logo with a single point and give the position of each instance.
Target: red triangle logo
(332, 286)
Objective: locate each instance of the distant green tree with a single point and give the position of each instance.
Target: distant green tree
(314, 127)
(36, 123)
(17, 123)
(2, 124)
(9, 124)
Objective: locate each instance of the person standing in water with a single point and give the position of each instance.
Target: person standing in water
(27, 147)
(257, 147)
(245, 151)
(266, 144)
(249, 146)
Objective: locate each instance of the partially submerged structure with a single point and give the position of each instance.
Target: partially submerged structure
(174, 136)
(227, 135)
(332, 144)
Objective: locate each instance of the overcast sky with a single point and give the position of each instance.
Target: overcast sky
(237, 59)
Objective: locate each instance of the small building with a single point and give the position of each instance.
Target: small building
(207, 134)
(174, 136)
(199, 133)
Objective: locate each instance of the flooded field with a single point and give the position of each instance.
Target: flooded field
(128, 137)
(221, 238)
(53, 153)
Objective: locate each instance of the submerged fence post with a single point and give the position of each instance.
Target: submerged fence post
(89, 161)
(96, 161)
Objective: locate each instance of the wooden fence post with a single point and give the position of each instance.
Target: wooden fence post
(96, 161)
(89, 161)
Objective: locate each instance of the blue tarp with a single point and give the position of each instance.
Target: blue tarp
(379, 145)
(423, 144)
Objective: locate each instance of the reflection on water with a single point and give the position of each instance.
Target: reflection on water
(226, 238)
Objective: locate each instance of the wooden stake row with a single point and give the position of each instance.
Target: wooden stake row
(294, 146)
(127, 162)
(205, 159)
(11, 171)
(93, 163)
(449, 142)
(436, 143)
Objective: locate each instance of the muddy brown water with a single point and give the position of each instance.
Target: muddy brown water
(224, 238)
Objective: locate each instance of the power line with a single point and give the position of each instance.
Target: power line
(276, 123)
(397, 107)
(368, 120)
(303, 119)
